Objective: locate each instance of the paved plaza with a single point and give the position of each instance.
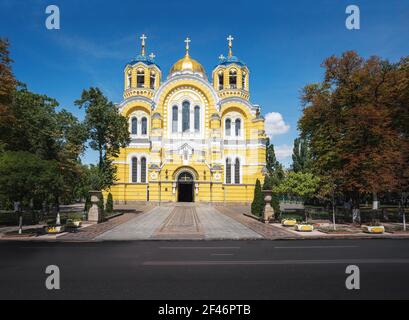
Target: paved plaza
(180, 221)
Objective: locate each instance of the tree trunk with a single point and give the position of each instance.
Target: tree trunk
(333, 211)
(356, 213)
(57, 208)
(375, 202)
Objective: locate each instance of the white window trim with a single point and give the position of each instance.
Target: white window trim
(139, 114)
(233, 117)
(139, 157)
(194, 101)
(233, 165)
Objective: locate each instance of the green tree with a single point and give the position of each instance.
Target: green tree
(107, 130)
(301, 156)
(109, 206)
(299, 184)
(25, 176)
(51, 135)
(257, 205)
(273, 166)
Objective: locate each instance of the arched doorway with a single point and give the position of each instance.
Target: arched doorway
(185, 187)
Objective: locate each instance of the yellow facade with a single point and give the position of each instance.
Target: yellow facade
(192, 139)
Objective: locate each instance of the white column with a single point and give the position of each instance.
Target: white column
(139, 125)
(180, 119)
(139, 170)
(192, 119)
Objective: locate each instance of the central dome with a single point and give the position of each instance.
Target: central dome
(187, 64)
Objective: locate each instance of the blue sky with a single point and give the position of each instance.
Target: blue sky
(283, 43)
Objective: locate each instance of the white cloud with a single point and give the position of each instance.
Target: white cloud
(283, 152)
(275, 125)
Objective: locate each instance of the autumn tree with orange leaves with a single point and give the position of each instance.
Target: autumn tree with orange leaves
(7, 86)
(356, 121)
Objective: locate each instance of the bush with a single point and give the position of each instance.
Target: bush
(289, 215)
(257, 205)
(109, 206)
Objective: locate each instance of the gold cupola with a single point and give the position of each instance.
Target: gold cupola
(187, 64)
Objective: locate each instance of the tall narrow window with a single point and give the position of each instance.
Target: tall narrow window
(238, 127)
(134, 126)
(144, 125)
(243, 81)
(227, 127)
(197, 118)
(140, 78)
(237, 171)
(174, 119)
(143, 170)
(221, 80)
(185, 116)
(152, 80)
(233, 79)
(134, 169)
(129, 79)
(228, 170)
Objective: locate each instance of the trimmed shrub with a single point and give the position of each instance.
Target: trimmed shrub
(257, 205)
(109, 206)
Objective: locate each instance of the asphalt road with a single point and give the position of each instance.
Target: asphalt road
(257, 269)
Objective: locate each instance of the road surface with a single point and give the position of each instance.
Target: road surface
(242, 269)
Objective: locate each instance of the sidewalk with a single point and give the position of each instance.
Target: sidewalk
(87, 232)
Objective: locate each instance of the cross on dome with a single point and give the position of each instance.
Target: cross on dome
(143, 38)
(187, 41)
(152, 56)
(230, 40)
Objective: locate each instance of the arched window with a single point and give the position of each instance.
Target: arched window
(228, 170)
(197, 118)
(134, 169)
(144, 125)
(243, 81)
(152, 80)
(227, 127)
(185, 116)
(129, 79)
(143, 170)
(221, 80)
(233, 79)
(140, 78)
(238, 127)
(237, 171)
(134, 126)
(174, 119)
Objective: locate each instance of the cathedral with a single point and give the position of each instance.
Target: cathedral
(194, 138)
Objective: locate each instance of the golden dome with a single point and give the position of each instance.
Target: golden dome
(187, 63)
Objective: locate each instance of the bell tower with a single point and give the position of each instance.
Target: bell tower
(142, 76)
(231, 75)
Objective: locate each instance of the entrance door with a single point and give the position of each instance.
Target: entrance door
(185, 187)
